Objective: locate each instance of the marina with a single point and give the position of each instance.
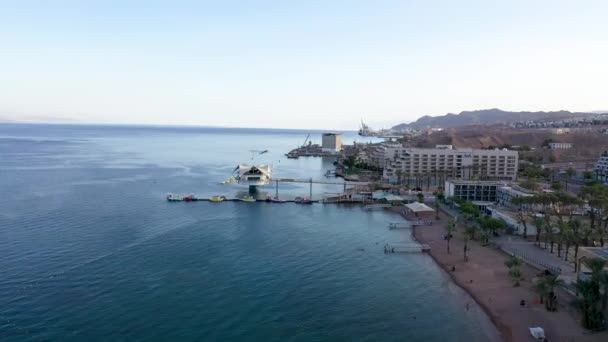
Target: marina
(217, 199)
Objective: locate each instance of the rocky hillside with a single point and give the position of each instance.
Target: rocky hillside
(484, 117)
(588, 144)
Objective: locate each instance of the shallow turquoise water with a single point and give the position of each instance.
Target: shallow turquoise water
(90, 250)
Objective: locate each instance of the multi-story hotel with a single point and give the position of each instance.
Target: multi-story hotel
(463, 163)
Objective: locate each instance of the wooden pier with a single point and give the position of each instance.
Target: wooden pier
(371, 207)
(315, 181)
(412, 247)
(399, 225)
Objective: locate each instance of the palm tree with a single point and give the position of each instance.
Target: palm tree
(420, 197)
(407, 178)
(513, 264)
(468, 232)
(450, 227)
(541, 288)
(521, 218)
(569, 173)
(538, 223)
(551, 282)
(593, 292)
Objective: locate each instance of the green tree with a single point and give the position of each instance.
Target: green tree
(350, 161)
(590, 293)
(514, 264)
(549, 283)
(468, 208)
(557, 186)
(420, 197)
(490, 226)
(569, 174)
(530, 184)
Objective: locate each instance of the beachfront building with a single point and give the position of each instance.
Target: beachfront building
(331, 142)
(380, 153)
(601, 168)
(474, 191)
(465, 163)
(560, 145)
(506, 194)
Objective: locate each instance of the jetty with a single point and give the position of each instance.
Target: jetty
(399, 225)
(371, 207)
(404, 247)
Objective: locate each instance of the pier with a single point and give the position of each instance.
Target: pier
(406, 248)
(314, 181)
(399, 225)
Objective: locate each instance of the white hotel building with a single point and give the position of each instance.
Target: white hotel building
(463, 163)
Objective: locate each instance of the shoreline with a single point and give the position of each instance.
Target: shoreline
(504, 331)
(485, 279)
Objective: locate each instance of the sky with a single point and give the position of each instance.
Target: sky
(297, 64)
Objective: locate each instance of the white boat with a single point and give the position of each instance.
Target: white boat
(176, 198)
(253, 175)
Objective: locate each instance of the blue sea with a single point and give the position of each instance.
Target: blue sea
(90, 250)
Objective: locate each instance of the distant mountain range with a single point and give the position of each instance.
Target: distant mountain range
(485, 117)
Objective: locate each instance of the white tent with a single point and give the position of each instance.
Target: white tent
(417, 207)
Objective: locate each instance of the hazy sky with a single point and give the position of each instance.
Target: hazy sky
(308, 64)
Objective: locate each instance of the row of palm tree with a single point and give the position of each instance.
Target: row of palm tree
(558, 225)
(474, 226)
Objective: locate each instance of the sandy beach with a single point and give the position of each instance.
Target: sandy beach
(485, 278)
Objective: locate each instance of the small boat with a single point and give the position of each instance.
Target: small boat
(217, 199)
(180, 198)
(277, 200)
(303, 200)
(248, 199)
(229, 181)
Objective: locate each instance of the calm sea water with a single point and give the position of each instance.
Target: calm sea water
(90, 250)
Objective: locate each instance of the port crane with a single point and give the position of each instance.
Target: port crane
(305, 140)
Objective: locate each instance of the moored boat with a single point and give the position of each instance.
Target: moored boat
(217, 199)
(248, 199)
(303, 200)
(180, 198)
(277, 200)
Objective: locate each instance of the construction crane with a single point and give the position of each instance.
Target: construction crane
(308, 136)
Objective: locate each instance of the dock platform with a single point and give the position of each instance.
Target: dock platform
(206, 199)
(399, 225)
(406, 248)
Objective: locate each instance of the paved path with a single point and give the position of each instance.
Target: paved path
(538, 257)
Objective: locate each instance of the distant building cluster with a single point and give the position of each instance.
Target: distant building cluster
(575, 122)
(560, 145)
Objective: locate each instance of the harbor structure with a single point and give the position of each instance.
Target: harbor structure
(253, 175)
(456, 163)
(331, 142)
